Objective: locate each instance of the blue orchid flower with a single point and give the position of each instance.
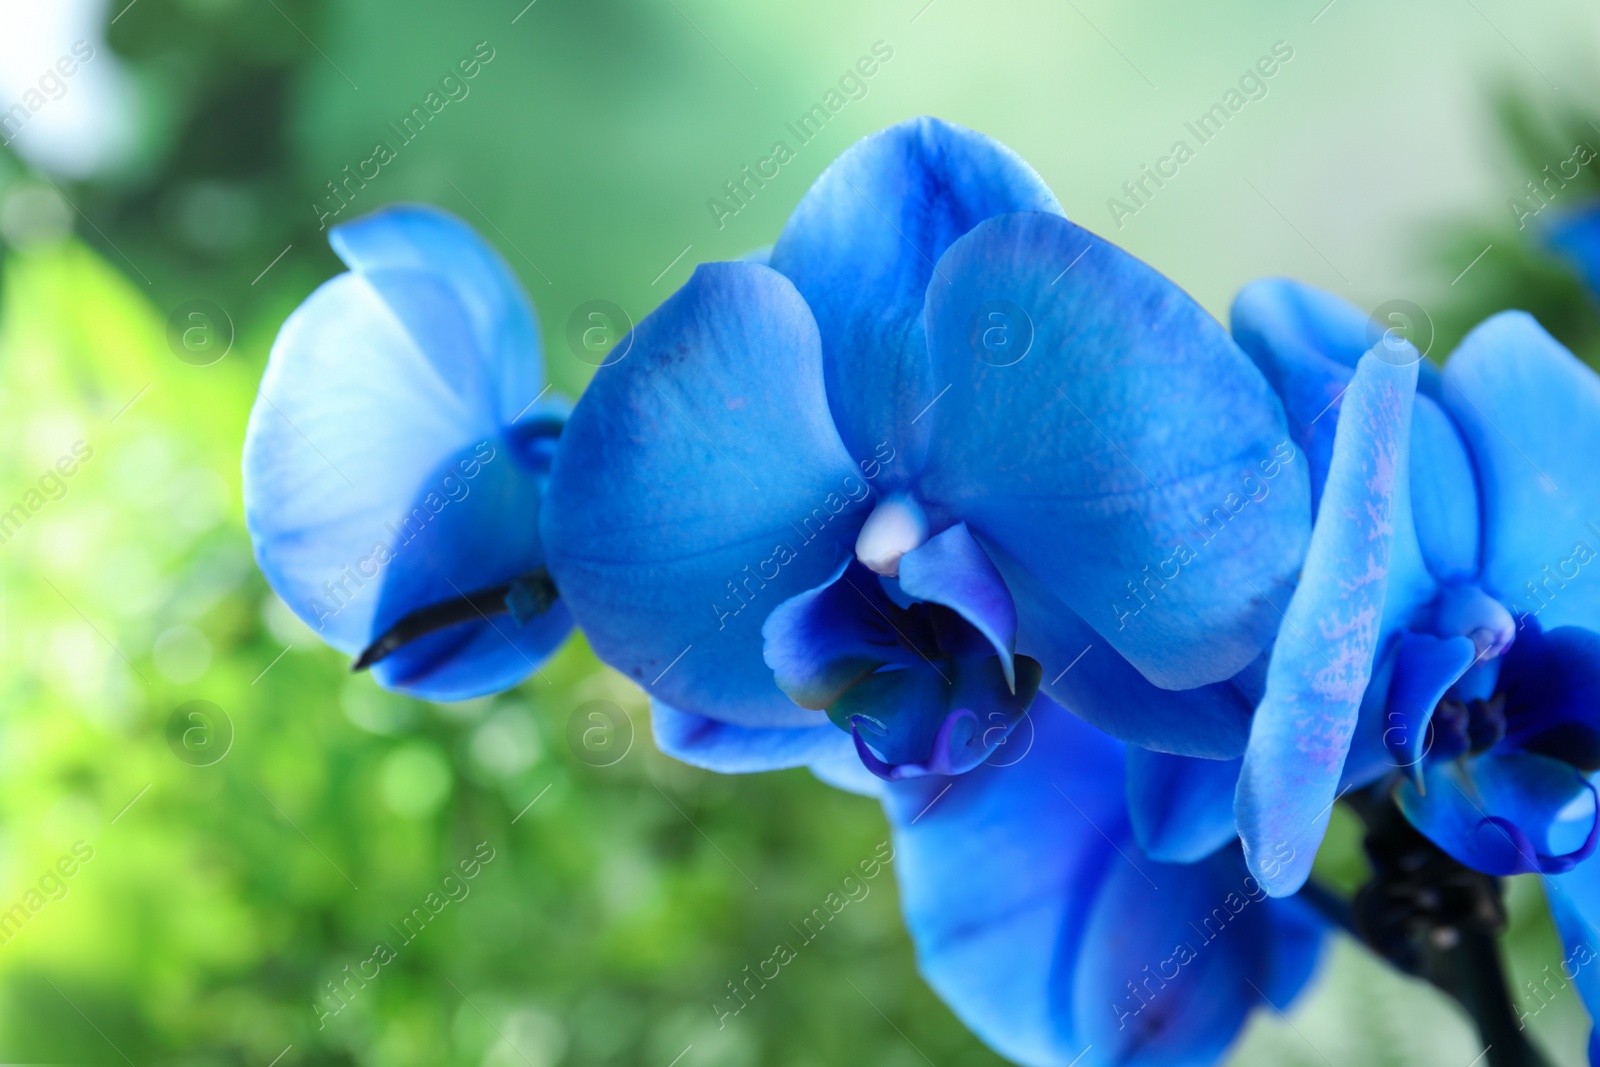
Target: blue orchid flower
(945, 450)
(396, 458)
(1038, 918)
(944, 441)
(1446, 629)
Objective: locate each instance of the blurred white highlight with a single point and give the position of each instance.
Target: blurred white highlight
(68, 125)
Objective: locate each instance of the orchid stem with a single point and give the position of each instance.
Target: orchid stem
(1475, 969)
(1439, 920)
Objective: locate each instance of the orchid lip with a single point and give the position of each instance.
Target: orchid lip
(948, 755)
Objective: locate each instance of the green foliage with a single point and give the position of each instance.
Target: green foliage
(1519, 271)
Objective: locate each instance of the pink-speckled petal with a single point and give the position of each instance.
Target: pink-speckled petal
(1324, 653)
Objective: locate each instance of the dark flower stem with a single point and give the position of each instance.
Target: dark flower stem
(1475, 967)
(1470, 972)
(1436, 919)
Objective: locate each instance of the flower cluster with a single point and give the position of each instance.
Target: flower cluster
(943, 478)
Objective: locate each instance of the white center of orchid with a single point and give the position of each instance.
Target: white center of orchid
(1468, 610)
(896, 526)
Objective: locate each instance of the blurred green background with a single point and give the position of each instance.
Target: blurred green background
(238, 869)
